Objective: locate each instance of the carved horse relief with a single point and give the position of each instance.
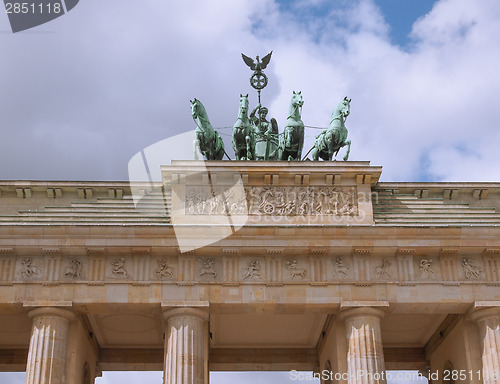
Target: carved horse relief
(329, 142)
(293, 136)
(243, 133)
(207, 141)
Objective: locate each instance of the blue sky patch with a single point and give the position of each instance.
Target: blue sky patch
(399, 14)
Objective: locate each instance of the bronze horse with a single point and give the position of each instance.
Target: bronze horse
(207, 141)
(293, 136)
(243, 133)
(329, 142)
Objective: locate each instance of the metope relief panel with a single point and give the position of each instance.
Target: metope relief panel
(29, 268)
(164, 269)
(252, 269)
(342, 268)
(471, 269)
(428, 268)
(74, 269)
(273, 201)
(208, 269)
(297, 269)
(384, 269)
(120, 268)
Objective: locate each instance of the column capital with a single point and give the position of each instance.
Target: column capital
(52, 311)
(484, 313)
(186, 311)
(361, 312)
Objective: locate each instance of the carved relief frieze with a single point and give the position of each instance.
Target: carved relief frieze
(426, 269)
(272, 201)
(118, 268)
(294, 270)
(253, 270)
(384, 270)
(29, 270)
(208, 268)
(471, 271)
(74, 269)
(164, 271)
(342, 270)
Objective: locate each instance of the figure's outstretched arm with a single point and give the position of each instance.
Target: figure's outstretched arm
(252, 114)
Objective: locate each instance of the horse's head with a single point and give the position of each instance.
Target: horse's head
(342, 110)
(297, 99)
(244, 105)
(344, 107)
(195, 105)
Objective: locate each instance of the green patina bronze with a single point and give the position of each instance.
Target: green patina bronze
(329, 142)
(258, 80)
(207, 141)
(243, 133)
(292, 141)
(256, 138)
(266, 134)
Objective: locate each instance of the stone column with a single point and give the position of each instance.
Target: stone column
(47, 352)
(488, 322)
(365, 355)
(185, 346)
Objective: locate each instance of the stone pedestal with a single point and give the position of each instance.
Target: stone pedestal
(47, 351)
(365, 355)
(488, 322)
(185, 346)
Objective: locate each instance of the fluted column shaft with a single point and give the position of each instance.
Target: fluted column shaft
(47, 351)
(365, 354)
(184, 346)
(488, 322)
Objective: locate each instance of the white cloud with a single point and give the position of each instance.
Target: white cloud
(114, 78)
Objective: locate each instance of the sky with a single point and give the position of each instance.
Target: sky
(84, 93)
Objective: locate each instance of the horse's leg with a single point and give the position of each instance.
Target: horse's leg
(249, 151)
(315, 154)
(235, 148)
(348, 143)
(196, 145)
(300, 132)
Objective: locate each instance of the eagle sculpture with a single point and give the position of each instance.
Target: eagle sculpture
(257, 65)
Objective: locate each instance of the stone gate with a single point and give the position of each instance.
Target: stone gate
(241, 266)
